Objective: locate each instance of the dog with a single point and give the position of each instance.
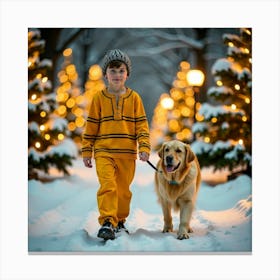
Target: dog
(177, 183)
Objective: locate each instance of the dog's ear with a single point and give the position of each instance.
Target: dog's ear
(160, 152)
(189, 154)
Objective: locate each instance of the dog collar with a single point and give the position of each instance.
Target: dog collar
(173, 182)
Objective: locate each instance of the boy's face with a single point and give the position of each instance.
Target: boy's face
(116, 76)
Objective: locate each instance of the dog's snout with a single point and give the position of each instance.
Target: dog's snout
(169, 159)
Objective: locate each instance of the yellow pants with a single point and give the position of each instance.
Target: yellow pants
(113, 197)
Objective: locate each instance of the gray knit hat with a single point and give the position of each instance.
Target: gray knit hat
(116, 55)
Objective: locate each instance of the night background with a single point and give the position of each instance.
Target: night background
(214, 114)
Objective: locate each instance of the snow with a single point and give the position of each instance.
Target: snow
(224, 64)
(57, 123)
(209, 111)
(200, 147)
(219, 90)
(199, 127)
(33, 126)
(46, 63)
(65, 147)
(61, 209)
(234, 153)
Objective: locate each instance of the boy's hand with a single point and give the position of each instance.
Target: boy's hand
(87, 162)
(144, 156)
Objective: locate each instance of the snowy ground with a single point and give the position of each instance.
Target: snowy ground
(60, 210)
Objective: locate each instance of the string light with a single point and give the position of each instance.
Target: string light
(70, 102)
(44, 80)
(71, 126)
(219, 83)
(185, 65)
(61, 110)
(38, 145)
(34, 97)
(195, 77)
(77, 111)
(248, 31)
(42, 127)
(190, 101)
(186, 112)
(207, 139)
(176, 94)
(67, 52)
(233, 106)
(60, 136)
(71, 69)
(174, 125)
(167, 103)
(237, 87)
(199, 117)
(181, 75)
(187, 133)
(63, 78)
(95, 72)
(43, 114)
(79, 122)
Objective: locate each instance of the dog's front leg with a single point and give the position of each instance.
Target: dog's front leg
(186, 209)
(166, 210)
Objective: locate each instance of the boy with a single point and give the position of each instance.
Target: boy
(116, 123)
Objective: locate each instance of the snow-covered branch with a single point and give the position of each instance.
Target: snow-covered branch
(156, 50)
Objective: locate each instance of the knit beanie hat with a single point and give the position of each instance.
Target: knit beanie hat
(116, 55)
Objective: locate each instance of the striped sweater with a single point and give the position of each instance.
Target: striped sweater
(113, 128)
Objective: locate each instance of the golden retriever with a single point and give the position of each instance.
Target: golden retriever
(177, 183)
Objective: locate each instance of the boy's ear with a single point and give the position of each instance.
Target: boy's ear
(160, 152)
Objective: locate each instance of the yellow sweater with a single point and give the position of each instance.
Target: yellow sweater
(114, 128)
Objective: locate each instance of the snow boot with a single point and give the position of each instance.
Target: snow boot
(121, 227)
(106, 231)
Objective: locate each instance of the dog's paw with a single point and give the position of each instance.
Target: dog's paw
(167, 229)
(182, 236)
(183, 232)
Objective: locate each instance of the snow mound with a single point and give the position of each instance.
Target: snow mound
(63, 217)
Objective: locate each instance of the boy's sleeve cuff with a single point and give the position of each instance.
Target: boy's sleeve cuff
(87, 154)
(144, 149)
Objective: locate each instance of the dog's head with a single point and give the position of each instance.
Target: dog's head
(175, 155)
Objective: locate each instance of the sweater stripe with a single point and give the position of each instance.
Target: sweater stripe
(122, 151)
(108, 136)
(111, 118)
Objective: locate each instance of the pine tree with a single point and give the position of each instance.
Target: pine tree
(174, 113)
(71, 101)
(47, 144)
(224, 138)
